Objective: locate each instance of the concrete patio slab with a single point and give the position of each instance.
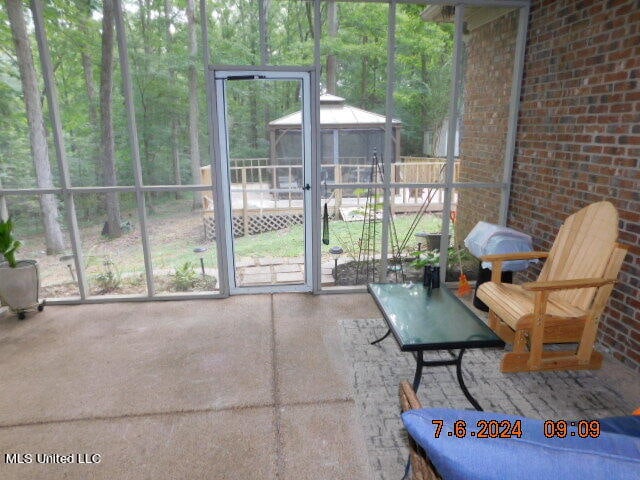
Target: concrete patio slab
(137, 358)
(334, 307)
(309, 354)
(323, 441)
(229, 444)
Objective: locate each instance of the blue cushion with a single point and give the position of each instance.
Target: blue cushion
(624, 425)
(531, 457)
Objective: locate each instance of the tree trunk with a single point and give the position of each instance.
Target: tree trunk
(89, 81)
(193, 102)
(175, 150)
(53, 233)
(264, 53)
(87, 67)
(425, 81)
(264, 33)
(364, 77)
(332, 18)
(113, 226)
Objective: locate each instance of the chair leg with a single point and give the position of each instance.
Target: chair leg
(520, 362)
(537, 330)
(585, 348)
(493, 320)
(504, 331)
(520, 341)
(535, 349)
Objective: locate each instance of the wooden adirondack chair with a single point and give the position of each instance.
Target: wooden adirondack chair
(565, 303)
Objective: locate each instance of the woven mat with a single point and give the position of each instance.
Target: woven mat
(377, 370)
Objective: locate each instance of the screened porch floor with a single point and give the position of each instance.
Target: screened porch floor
(246, 387)
(279, 386)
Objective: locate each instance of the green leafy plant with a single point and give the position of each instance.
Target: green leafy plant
(109, 279)
(425, 258)
(432, 257)
(185, 277)
(8, 245)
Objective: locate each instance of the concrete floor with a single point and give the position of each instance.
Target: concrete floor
(250, 387)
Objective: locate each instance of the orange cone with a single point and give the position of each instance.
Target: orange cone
(464, 288)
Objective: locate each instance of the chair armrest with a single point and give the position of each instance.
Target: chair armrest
(408, 398)
(567, 284)
(497, 259)
(504, 257)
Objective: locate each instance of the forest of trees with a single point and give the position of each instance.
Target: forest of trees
(165, 51)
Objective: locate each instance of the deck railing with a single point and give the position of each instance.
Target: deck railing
(256, 177)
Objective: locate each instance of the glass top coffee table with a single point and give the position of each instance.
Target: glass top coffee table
(421, 321)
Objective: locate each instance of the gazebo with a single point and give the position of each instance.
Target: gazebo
(350, 136)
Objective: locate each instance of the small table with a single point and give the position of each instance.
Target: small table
(437, 321)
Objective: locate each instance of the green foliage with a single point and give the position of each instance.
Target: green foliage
(158, 50)
(425, 258)
(185, 277)
(109, 278)
(8, 245)
(432, 257)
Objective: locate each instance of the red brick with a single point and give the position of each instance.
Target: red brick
(565, 158)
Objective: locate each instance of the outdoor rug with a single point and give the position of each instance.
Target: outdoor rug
(378, 369)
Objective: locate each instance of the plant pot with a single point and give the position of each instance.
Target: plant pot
(19, 286)
(433, 241)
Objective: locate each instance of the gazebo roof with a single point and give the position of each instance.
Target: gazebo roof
(335, 113)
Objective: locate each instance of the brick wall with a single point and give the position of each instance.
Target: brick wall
(487, 89)
(578, 138)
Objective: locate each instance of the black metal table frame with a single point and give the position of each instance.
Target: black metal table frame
(421, 363)
(418, 354)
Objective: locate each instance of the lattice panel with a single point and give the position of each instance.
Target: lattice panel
(270, 222)
(209, 225)
(238, 226)
(256, 224)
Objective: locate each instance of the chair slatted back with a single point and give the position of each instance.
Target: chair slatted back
(582, 249)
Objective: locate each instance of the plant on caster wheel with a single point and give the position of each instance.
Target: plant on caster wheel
(19, 281)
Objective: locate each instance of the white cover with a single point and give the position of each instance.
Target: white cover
(488, 238)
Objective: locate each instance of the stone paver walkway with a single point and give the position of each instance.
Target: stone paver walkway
(277, 270)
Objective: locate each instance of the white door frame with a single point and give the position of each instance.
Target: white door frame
(217, 78)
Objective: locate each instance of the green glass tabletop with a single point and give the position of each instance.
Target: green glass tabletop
(430, 322)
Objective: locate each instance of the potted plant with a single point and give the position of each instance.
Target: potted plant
(19, 281)
(429, 260)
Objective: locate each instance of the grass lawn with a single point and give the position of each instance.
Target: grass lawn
(175, 230)
(290, 242)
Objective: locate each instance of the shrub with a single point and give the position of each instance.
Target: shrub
(109, 279)
(185, 277)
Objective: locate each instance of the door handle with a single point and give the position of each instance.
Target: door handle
(306, 187)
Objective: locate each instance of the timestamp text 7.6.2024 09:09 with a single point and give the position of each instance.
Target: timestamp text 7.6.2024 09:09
(513, 428)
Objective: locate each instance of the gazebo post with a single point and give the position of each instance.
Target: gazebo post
(338, 191)
(272, 154)
(396, 139)
(337, 171)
